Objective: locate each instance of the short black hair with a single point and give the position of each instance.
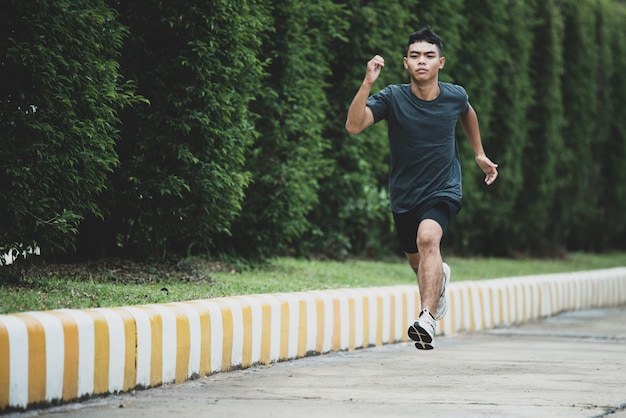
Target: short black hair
(425, 35)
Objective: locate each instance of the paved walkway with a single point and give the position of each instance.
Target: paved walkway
(570, 365)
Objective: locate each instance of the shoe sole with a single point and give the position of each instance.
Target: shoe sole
(423, 340)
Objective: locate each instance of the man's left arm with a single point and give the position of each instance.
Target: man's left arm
(469, 123)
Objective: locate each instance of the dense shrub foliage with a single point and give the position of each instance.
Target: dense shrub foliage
(59, 100)
(182, 169)
(287, 161)
(216, 127)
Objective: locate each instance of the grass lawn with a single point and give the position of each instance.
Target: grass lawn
(121, 283)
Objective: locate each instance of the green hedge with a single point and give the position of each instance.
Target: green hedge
(544, 145)
(288, 160)
(234, 143)
(182, 175)
(59, 100)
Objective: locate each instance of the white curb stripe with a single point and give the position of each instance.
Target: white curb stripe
(18, 376)
(117, 352)
(144, 345)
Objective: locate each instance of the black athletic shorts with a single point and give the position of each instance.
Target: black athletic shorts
(407, 223)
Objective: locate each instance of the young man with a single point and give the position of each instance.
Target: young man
(425, 169)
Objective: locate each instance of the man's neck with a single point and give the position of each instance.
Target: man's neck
(426, 91)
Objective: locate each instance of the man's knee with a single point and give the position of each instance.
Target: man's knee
(428, 235)
(427, 241)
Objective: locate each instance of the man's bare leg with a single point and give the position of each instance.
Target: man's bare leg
(428, 264)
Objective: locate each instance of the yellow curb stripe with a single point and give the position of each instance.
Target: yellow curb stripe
(228, 336)
(510, 303)
(384, 316)
(86, 350)
(413, 303)
(36, 359)
(182, 349)
(155, 346)
(396, 316)
(552, 298)
(284, 328)
(516, 302)
(302, 331)
(360, 320)
(188, 337)
(502, 303)
(351, 323)
(364, 319)
(336, 325)
(371, 333)
(271, 337)
(365, 301)
(293, 324)
(5, 365)
(54, 354)
(490, 302)
(405, 318)
(129, 380)
(484, 312)
(100, 353)
(477, 306)
(205, 342)
(266, 334)
(248, 327)
(391, 321)
(216, 335)
(454, 308)
(380, 327)
(319, 309)
(311, 323)
(325, 314)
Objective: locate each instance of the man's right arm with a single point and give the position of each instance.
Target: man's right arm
(359, 115)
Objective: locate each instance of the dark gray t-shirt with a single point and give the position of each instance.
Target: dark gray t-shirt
(425, 164)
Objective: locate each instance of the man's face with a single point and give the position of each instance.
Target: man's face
(423, 61)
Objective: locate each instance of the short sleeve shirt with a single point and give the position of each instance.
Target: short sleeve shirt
(424, 156)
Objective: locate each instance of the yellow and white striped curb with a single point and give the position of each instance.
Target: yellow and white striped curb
(65, 355)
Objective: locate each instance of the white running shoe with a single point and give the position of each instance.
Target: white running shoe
(442, 305)
(423, 331)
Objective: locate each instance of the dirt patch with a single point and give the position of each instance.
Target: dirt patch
(123, 271)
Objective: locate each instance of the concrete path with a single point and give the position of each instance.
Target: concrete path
(570, 365)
